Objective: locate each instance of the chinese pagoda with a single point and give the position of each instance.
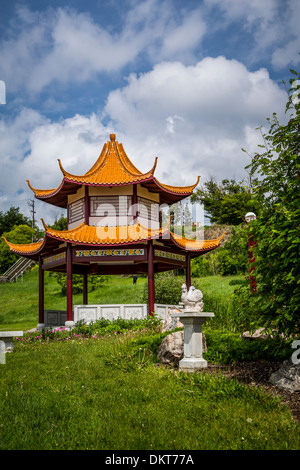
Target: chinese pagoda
(114, 226)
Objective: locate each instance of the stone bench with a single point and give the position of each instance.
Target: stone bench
(6, 337)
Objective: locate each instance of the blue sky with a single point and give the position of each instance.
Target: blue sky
(187, 81)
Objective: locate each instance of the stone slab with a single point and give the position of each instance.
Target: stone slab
(10, 334)
(6, 340)
(190, 364)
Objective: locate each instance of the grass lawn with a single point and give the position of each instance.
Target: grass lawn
(64, 395)
(19, 300)
(98, 393)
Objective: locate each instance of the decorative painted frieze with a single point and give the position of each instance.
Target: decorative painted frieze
(168, 255)
(122, 252)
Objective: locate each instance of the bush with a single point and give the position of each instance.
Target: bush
(230, 347)
(230, 259)
(114, 327)
(167, 289)
(275, 174)
(94, 282)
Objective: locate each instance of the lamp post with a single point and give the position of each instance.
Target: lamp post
(248, 218)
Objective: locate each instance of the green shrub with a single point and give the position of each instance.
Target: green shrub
(227, 260)
(103, 326)
(167, 288)
(94, 282)
(230, 347)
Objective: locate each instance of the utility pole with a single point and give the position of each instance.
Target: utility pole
(31, 204)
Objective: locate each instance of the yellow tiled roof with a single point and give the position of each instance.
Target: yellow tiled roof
(107, 235)
(112, 168)
(25, 248)
(177, 189)
(196, 245)
(113, 236)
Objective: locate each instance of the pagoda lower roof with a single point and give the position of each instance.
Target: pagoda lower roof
(112, 168)
(91, 235)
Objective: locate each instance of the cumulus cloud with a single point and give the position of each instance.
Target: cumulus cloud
(273, 25)
(195, 118)
(63, 45)
(194, 113)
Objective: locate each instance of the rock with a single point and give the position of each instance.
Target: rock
(258, 334)
(287, 377)
(170, 322)
(171, 348)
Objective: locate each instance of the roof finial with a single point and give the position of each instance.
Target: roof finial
(112, 137)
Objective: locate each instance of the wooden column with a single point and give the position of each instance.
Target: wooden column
(41, 292)
(150, 278)
(69, 285)
(85, 288)
(188, 271)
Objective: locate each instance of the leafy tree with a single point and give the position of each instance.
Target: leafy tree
(229, 259)
(19, 234)
(11, 218)
(226, 202)
(277, 229)
(60, 224)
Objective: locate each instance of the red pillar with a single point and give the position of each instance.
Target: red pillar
(69, 284)
(188, 271)
(150, 278)
(85, 288)
(41, 292)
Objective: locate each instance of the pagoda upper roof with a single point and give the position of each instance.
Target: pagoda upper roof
(112, 168)
(110, 236)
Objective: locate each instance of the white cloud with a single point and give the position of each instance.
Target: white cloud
(273, 25)
(195, 118)
(30, 146)
(63, 45)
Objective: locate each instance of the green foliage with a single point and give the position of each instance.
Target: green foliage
(229, 259)
(11, 218)
(60, 224)
(94, 282)
(120, 325)
(227, 347)
(277, 229)
(19, 234)
(167, 288)
(226, 202)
